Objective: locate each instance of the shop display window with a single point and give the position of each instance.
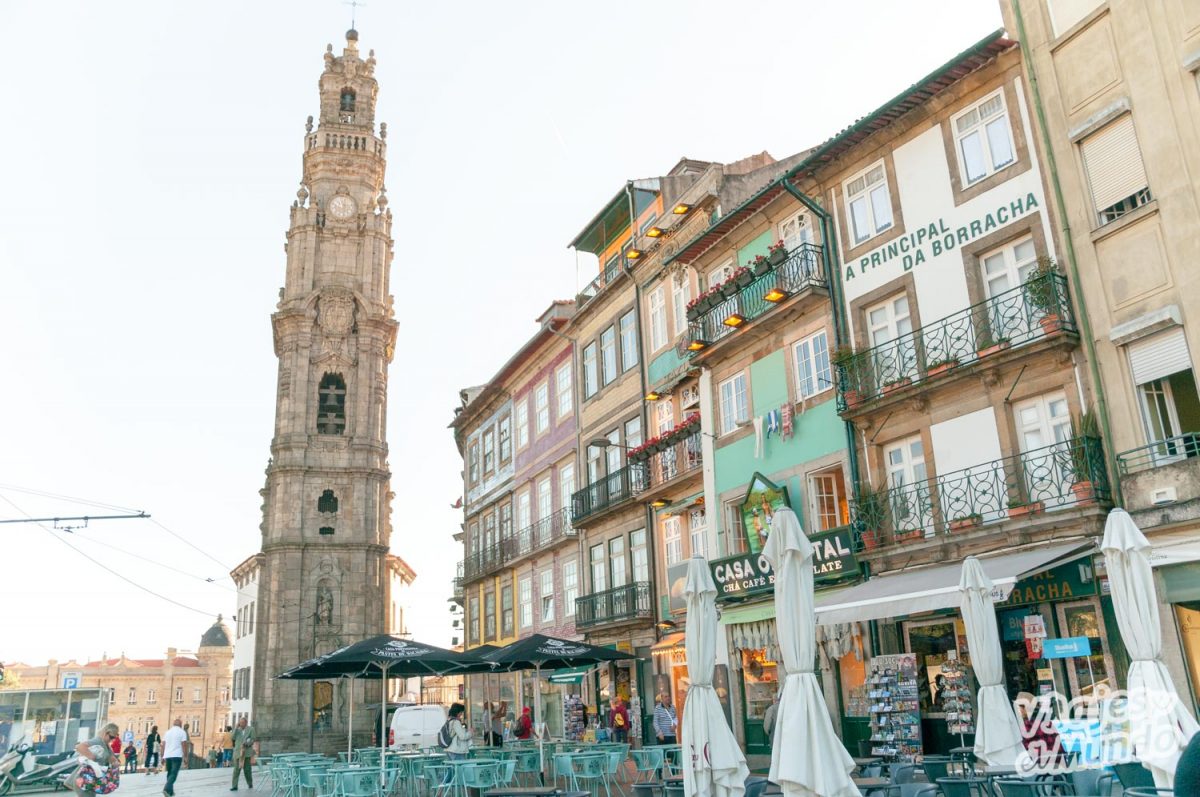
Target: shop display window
(760, 676)
(931, 641)
(1087, 674)
(853, 672)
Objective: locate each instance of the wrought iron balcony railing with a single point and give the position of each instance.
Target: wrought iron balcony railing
(630, 602)
(616, 487)
(538, 535)
(682, 456)
(804, 268)
(1037, 309)
(1159, 453)
(1070, 473)
(483, 561)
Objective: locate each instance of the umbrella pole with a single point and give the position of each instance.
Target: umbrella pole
(537, 720)
(383, 730)
(350, 725)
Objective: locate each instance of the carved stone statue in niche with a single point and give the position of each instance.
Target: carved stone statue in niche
(324, 604)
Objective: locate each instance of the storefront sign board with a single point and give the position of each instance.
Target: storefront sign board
(750, 574)
(1066, 648)
(1065, 582)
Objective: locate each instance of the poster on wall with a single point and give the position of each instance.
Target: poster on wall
(763, 499)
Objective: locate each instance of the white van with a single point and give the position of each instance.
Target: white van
(417, 726)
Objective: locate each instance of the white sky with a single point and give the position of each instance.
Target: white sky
(151, 151)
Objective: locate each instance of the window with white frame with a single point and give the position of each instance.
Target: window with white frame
(506, 610)
(546, 595)
(829, 506)
(524, 511)
(570, 577)
(151, 696)
(489, 616)
(629, 342)
(521, 421)
(179, 694)
(504, 435)
(735, 530)
(983, 139)
(131, 697)
(813, 372)
(608, 355)
(1115, 172)
(525, 598)
(545, 499)
(868, 203)
(697, 532)
(633, 432)
(566, 484)
(473, 620)
(473, 463)
(562, 389)
(673, 539)
(489, 451)
(658, 319)
(796, 231)
(679, 300)
(664, 416)
(591, 376)
(1161, 366)
(616, 562)
(639, 555)
(734, 405)
(599, 568)
(541, 407)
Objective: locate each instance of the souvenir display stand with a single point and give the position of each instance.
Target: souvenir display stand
(894, 708)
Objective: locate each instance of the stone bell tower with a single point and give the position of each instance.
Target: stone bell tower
(327, 500)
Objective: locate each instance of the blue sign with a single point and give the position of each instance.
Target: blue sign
(1066, 648)
(70, 682)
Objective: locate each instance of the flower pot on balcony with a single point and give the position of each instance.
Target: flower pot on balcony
(1085, 492)
(937, 369)
(965, 523)
(696, 310)
(1051, 323)
(762, 266)
(853, 398)
(1025, 510)
(777, 256)
(870, 540)
(989, 350)
(907, 535)
(744, 277)
(896, 385)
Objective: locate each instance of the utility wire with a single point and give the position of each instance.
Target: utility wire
(191, 544)
(105, 567)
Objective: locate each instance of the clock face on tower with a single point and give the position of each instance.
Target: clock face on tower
(341, 207)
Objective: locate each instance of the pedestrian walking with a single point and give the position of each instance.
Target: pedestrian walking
(227, 746)
(173, 746)
(130, 758)
(244, 749)
(153, 748)
(620, 720)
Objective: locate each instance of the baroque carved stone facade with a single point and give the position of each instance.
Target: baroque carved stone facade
(327, 500)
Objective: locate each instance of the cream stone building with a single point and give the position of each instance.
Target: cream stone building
(1114, 90)
(325, 579)
(194, 687)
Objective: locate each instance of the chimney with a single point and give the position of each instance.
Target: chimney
(171, 653)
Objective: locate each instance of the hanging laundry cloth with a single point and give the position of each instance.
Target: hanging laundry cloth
(787, 422)
(772, 423)
(758, 437)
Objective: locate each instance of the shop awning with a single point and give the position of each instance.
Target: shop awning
(763, 610)
(572, 676)
(1176, 548)
(668, 644)
(928, 589)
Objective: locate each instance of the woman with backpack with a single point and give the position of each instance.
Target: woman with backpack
(457, 734)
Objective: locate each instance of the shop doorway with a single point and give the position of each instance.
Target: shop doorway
(760, 684)
(1086, 674)
(934, 643)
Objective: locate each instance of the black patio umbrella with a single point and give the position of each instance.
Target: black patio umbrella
(381, 656)
(538, 651)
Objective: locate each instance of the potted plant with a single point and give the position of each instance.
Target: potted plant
(1041, 293)
(760, 265)
(869, 539)
(940, 366)
(906, 535)
(1019, 508)
(896, 384)
(963, 522)
(844, 358)
(777, 253)
(1084, 428)
(987, 344)
(870, 510)
(742, 277)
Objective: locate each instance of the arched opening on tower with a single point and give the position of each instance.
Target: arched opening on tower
(347, 101)
(331, 399)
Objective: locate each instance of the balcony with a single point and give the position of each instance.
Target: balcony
(1160, 482)
(1037, 310)
(482, 562)
(802, 270)
(593, 288)
(1021, 487)
(535, 537)
(456, 585)
(678, 459)
(606, 493)
(630, 602)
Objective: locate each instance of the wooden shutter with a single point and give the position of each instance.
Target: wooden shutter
(1159, 355)
(1114, 163)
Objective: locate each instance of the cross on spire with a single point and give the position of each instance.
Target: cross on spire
(354, 4)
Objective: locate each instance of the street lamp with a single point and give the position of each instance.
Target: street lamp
(604, 442)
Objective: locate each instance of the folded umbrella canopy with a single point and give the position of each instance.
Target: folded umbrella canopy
(807, 758)
(1160, 726)
(998, 738)
(537, 652)
(718, 767)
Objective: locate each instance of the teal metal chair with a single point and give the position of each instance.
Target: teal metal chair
(528, 764)
(507, 770)
(646, 764)
(360, 784)
(591, 772)
(561, 767)
(306, 784)
(615, 760)
(440, 779)
(482, 776)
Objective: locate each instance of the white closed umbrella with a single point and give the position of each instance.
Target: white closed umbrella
(1159, 724)
(807, 757)
(717, 766)
(997, 731)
